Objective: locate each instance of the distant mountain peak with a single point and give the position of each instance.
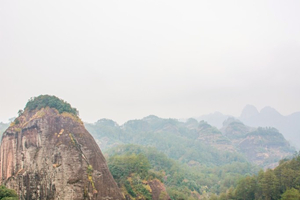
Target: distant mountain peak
(191, 121)
(107, 122)
(269, 111)
(249, 111)
(150, 117)
(215, 119)
(230, 120)
(270, 117)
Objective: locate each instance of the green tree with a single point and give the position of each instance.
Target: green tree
(20, 112)
(245, 189)
(43, 101)
(7, 194)
(230, 194)
(291, 194)
(270, 186)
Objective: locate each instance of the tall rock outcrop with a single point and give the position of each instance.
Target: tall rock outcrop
(48, 154)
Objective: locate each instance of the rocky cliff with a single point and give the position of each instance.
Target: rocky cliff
(46, 154)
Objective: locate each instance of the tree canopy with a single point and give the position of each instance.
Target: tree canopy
(283, 182)
(7, 194)
(182, 181)
(43, 101)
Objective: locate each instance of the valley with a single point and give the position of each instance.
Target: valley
(148, 158)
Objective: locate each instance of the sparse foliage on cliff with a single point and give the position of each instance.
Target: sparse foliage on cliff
(43, 101)
(20, 112)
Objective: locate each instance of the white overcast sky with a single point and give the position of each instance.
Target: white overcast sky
(128, 59)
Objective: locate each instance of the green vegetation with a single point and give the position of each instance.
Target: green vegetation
(7, 194)
(131, 171)
(134, 162)
(90, 176)
(194, 141)
(169, 136)
(270, 136)
(291, 194)
(193, 159)
(44, 101)
(281, 183)
(123, 166)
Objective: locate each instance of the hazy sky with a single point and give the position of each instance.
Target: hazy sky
(128, 59)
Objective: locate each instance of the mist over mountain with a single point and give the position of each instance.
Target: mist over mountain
(288, 125)
(185, 140)
(149, 158)
(216, 119)
(249, 111)
(161, 87)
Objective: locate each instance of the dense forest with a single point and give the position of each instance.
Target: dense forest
(195, 142)
(167, 135)
(183, 181)
(132, 166)
(194, 160)
(283, 182)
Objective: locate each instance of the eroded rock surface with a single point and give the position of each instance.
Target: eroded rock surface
(47, 155)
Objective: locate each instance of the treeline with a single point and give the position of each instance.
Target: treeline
(129, 163)
(193, 141)
(43, 101)
(281, 183)
(169, 136)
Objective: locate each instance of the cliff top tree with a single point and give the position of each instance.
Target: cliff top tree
(43, 101)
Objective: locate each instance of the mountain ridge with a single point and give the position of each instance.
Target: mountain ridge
(288, 125)
(191, 135)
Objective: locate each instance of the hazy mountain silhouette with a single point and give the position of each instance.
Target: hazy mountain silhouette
(289, 125)
(216, 119)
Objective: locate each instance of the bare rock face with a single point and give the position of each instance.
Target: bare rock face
(47, 155)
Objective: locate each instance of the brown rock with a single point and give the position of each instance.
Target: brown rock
(158, 190)
(47, 155)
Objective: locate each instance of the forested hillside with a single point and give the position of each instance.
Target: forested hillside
(288, 125)
(196, 142)
(262, 146)
(134, 166)
(179, 141)
(283, 182)
(193, 160)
